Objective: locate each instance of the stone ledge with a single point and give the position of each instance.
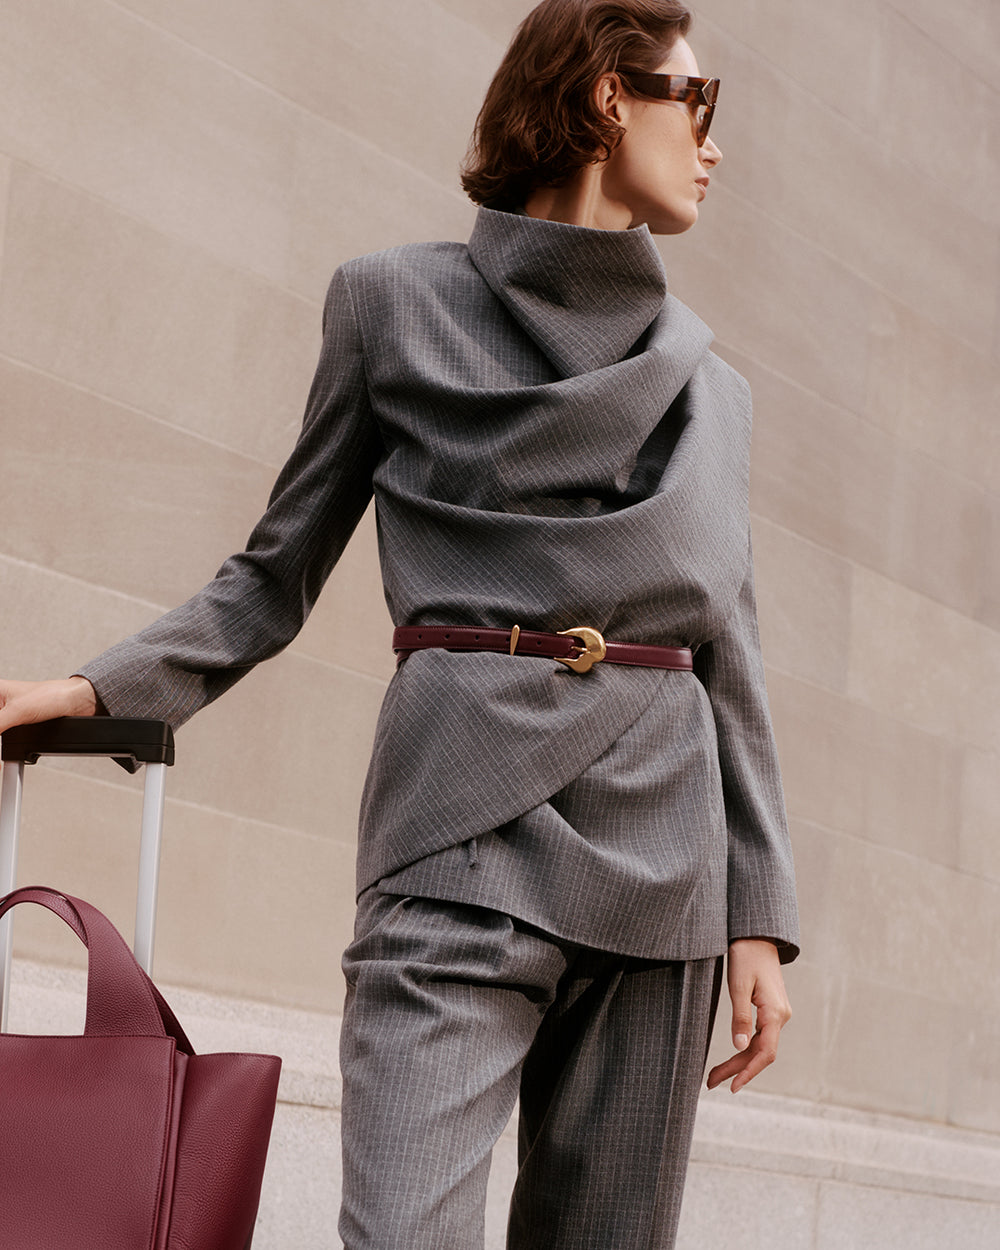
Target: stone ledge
(794, 1137)
(762, 1133)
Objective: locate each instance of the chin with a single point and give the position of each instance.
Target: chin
(670, 223)
(666, 217)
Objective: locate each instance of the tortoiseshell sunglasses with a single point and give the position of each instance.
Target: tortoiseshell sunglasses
(702, 93)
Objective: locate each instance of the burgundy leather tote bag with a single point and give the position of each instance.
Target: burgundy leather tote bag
(124, 1139)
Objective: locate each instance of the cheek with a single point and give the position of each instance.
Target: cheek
(660, 171)
(664, 153)
(678, 154)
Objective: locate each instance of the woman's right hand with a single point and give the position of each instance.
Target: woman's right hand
(27, 702)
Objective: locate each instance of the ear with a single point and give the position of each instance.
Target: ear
(609, 96)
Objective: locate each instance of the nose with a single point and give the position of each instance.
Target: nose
(709, 154)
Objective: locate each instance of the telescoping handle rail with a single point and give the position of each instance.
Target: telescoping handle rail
(130, 743)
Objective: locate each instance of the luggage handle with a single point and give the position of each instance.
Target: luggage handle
(129, 742)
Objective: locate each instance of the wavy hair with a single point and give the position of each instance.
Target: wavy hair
(540, 122)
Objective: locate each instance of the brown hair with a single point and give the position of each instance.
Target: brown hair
(539, 122)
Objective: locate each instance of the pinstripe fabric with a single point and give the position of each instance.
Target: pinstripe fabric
(451, 1012)
(550, 442)
(642, 830)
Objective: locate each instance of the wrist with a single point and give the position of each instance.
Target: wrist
(82, 697)
(755, 949)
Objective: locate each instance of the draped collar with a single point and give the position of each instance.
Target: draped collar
(585, 296)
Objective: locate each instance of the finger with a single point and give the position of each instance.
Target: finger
(735, 1066)
(723, 1071)
(731, 1066)
(740, 992)
(762, 1053)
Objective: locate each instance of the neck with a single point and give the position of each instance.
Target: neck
(581, 202)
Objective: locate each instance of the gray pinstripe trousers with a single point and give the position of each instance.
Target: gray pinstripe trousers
(452, 1010)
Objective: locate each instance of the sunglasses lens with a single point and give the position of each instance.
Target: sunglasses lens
(707, 110)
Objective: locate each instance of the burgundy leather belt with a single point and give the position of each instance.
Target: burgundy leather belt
(580, 648)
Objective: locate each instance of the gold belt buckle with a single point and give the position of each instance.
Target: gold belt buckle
(594, 648)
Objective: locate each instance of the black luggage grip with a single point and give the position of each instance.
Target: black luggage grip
(128, 742)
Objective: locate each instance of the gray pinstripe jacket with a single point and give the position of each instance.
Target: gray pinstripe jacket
(550, 442)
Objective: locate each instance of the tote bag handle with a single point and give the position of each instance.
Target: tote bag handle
(121, 999)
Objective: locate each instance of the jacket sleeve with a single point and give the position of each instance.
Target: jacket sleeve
(761, 878)
(260, 598)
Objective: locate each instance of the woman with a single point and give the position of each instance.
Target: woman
(553, 856)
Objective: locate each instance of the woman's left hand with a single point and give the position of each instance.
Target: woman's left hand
(755, 982)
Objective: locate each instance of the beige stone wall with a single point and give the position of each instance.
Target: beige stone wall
(177, 181)
(850, 266)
